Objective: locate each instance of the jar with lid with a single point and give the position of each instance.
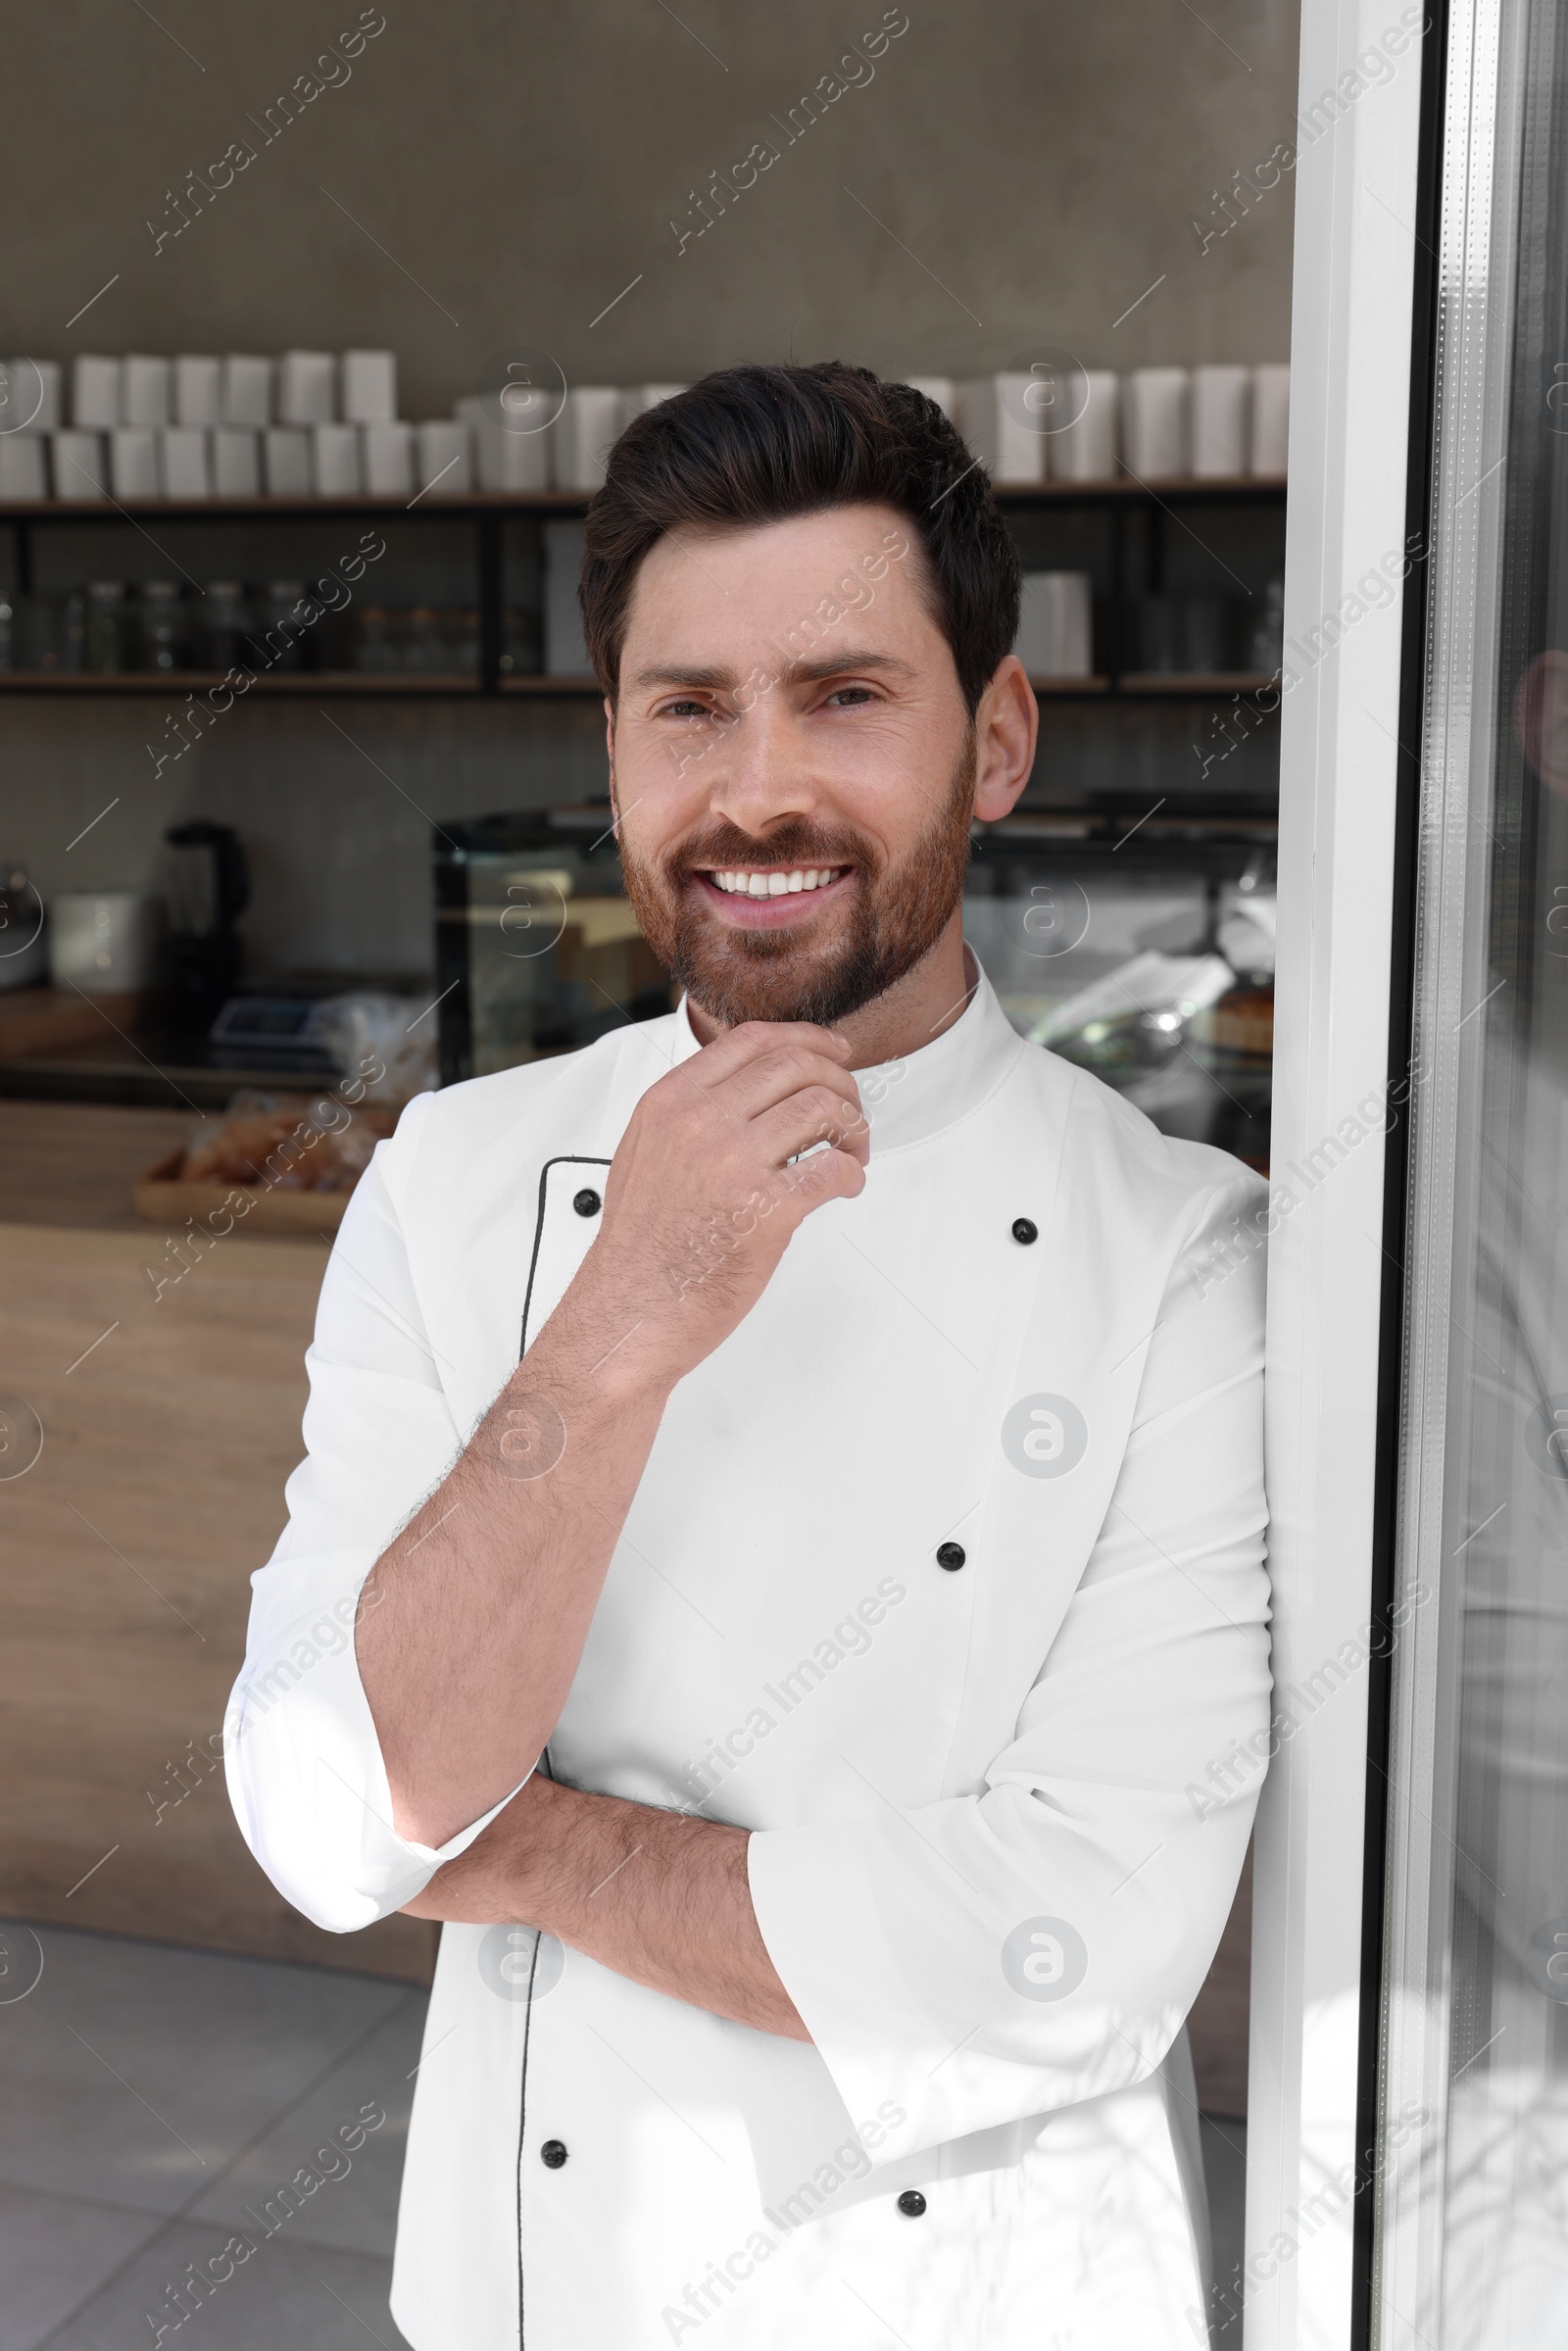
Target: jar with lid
(372, 643)
(424, 654)
(104, 628)
(163, 635)
(225, 626)
(284, 640)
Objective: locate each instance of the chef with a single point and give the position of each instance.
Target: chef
(781, 1532)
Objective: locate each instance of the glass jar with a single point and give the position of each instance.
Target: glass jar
(104, 628)
(226, 627)
(372, 642)
(284, 640)
(461, 642)
(163, 633)
(424, 654)
(71, 629)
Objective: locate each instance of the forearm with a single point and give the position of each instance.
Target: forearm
(656, 1896)
(475, 1617)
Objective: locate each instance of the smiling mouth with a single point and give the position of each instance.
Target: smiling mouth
(772, 881)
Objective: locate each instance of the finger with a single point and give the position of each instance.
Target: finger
(759, 1084)
(825, 1176)
(754, 1037)
(815, 1116)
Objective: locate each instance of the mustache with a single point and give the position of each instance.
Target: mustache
(794, 843)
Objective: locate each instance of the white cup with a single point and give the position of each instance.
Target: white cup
(103, 942)
(1154, 424)
(1056, 624)
(504, 459)
(29, 395)
(1271, 418)
(336, 471)
(286, 461)
(1086, 449)
(389, 460)
(133, 461)
(370, 387)
(237, 462)
(246, 396)
(582, 434)
(1221, 420)
(443, 461)
(79, 464)
(24, 465)
(185, 461)
(198, 389)
(307, 387)
(996, 419)
(144, 390)
(94, 393)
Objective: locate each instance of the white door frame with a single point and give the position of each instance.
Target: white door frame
(1355, 269)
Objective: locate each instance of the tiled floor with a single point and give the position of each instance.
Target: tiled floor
(156, 2101)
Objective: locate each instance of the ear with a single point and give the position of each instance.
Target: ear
(1007, 725)
(609, 753)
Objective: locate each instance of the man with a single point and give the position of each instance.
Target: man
(865, 1548)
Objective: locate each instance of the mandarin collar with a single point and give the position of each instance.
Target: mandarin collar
(921, 1094)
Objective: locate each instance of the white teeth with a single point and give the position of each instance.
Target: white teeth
(775, 882)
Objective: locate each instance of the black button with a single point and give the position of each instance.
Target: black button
(553, 2154)
(949, 1555)
(1024, 1230)
(911, 2204)
(589, 1204)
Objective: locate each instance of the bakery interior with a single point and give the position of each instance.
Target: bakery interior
(303, 804)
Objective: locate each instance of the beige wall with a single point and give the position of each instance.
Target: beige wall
(524, 163)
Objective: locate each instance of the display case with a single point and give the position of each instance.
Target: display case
(1145, 955)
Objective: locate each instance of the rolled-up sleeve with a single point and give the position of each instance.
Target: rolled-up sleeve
(304, 1764)
(1037, 1942)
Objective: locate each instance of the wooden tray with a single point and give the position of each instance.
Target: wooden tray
(164, 1197)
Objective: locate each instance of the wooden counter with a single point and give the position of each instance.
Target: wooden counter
(170, 1423)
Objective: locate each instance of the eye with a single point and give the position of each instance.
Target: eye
(685, 708)
(846, 696)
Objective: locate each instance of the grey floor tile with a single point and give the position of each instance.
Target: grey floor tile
(54, 2250)
(284, 2295)
(135, 2071)
(355, 2208)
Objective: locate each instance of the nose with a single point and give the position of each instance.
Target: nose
(762, 769)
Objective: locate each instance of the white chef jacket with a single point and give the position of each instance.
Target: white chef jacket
(976, 1861)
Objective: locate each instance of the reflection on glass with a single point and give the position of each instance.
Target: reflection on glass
(1491, 1826)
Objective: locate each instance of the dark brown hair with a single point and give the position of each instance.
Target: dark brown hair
(755, 445)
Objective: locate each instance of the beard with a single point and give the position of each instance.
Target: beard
(896, 915)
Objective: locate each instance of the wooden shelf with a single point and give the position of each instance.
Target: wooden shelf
(1260, 489)
(1135, 685)
(1179, 684)
(197, 681)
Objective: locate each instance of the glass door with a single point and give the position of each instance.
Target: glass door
(1472, 2238)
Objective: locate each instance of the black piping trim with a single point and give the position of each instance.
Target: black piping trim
(565, 1159)
(523, 2117)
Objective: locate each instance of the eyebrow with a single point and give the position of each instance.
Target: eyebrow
(798, 673)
